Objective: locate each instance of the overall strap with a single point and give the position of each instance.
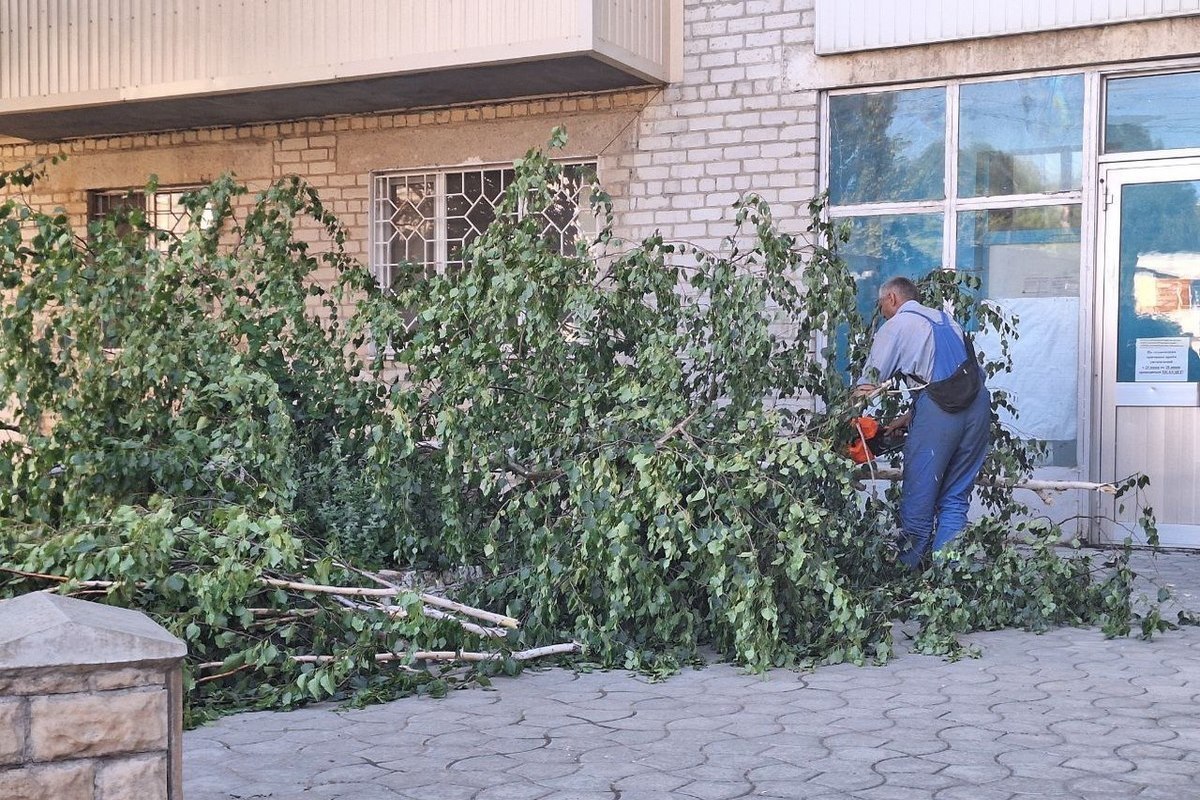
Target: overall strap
(949, 351)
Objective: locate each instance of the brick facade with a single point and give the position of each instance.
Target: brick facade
(674, 159)
(730, 127)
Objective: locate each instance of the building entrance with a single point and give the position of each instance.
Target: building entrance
(1148, 335)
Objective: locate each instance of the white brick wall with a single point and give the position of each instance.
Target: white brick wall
(730, 127)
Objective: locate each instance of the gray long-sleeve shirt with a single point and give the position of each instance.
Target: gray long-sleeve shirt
(904, 344)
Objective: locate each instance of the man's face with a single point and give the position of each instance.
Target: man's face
(889, 304)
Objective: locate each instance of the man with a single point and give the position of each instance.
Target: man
(948, 425)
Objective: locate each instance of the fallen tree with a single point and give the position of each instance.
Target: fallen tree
(201, 437)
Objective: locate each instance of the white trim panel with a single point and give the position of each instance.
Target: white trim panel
(60, 53)
(847, 26)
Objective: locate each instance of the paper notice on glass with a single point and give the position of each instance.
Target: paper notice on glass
(1043, 384)
(1162, 359)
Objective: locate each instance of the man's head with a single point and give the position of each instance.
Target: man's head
(894, 293)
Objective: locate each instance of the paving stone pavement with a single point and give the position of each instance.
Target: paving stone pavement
(1066, 714)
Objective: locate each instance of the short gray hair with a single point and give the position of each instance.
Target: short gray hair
(902, 286)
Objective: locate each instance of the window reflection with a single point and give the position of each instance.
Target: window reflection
(1021, 137)
(887, 146)
(1028, 261)
(1152, 112)
(1160, 274)
(886, 246)
(883, 247)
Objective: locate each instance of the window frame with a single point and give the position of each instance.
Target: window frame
(149, 201)
(951, 206)
(1104, 76)
(380, 265)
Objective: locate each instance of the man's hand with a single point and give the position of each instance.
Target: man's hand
(899, 423)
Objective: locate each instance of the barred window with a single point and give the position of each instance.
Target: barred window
(163, 209)
(429, 218)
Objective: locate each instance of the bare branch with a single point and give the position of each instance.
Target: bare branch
(361, 591)
(455, 655)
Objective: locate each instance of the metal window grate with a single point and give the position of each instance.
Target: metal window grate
(425, 221)
(164, 209)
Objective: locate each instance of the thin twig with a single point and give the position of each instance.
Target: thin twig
(41, 575)
(220, 675)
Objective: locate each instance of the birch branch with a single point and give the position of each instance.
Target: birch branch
(433, 613)
(455, 655)
(361, 591)
(468, 611)
(1042, 488)
(318, 588)
(1034, 485)
(469, 627)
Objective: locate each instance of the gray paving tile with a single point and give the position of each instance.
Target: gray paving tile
(1065, 714)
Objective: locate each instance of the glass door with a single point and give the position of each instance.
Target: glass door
(1149, 341)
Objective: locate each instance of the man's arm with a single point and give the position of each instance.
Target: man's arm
(882, 362)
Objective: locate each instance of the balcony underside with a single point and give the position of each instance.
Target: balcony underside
(553, 76)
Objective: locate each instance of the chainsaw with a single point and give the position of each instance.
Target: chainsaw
(869, 440)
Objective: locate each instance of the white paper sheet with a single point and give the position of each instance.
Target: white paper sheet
(1045, 377)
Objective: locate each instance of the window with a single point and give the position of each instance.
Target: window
(1152, 112)
(985, 177)
(889, 146)
(163, 209)
(428, 218)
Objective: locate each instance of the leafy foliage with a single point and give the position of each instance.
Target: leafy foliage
(636, 445)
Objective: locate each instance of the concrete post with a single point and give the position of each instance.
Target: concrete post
(91, 702)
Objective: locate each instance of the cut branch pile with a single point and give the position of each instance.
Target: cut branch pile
(367, 600)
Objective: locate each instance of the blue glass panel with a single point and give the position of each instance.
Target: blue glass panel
(1021, 137)
(885, 246)
(1028, 260)
(1159, 289)
(1152, 112)
(887, 146)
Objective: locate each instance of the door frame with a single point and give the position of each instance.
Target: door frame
(1112, 177)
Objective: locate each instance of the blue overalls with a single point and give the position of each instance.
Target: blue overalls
(942, 456)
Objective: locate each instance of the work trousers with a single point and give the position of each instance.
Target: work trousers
(942, 457)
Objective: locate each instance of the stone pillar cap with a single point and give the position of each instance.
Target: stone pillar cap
(41, 629)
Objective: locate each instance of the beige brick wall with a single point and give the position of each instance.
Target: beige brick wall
(86, 734)
(337, 156)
